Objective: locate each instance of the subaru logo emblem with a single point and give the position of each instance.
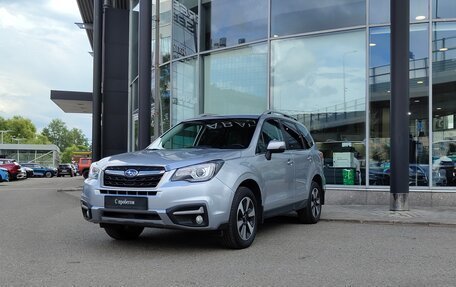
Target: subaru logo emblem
(131, 173)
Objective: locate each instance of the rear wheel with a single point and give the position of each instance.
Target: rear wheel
(85, 173)
(311, 213)
(242, 225)
(123, 232)
(48, 174)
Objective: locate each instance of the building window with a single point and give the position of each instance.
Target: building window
(321, 80)
(294, 17)
(233, 22)
(380, 96)
(443, 103)
(235, 82)
(185, 28)
(444, 9)
(165, 93)
(185, 99)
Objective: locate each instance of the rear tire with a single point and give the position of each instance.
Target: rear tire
(243, 221)
(85, 173)
(311, 213)
(48, 174)
(123, 232)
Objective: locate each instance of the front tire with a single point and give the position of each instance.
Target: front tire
(243, 221)
(311, 213)
(123, 232)
(48, 174)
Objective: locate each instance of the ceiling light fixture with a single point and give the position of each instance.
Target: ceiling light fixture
(420, 82)
(372, 44)
(444, 49)
(420, 18)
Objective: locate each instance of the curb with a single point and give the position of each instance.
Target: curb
(390, 222)
(69, 189)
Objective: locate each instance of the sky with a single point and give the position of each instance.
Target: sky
(41, 49)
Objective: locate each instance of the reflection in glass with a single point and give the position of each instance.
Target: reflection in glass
(185, 27)
(443, 103)
(133, 47)
(185, 101)
(444, 9)
(165, 31)
(235, 82)
(233, 22)
(165, 93)
(293, 17)
(419, 10)
(321, 80)
(379, 11)
(380, 96)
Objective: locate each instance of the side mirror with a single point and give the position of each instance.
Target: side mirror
(274, 146)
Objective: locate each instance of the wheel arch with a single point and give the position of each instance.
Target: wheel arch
(318, 179)
(255, 188)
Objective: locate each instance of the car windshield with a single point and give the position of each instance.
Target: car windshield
(218, 133)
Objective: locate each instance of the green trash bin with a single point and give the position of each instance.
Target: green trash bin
(348, 176)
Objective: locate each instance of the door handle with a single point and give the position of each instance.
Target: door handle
(309, 158)
(290, 162)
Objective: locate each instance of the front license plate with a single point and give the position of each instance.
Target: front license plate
(125, 202)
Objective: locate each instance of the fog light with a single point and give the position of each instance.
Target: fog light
(199, 219)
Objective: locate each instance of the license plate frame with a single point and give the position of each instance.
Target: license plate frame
(126, 202)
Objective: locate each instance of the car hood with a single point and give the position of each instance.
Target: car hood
(169, 159)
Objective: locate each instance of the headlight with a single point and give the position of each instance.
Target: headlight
(199, 172)
(94, 171)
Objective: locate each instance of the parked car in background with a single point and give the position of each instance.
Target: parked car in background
(39, 170)
(28, 171)
(22, 174)
(225, 173)
(12, 166)
(65, 169)
(84, 166)
(75, 169)
(4, 175)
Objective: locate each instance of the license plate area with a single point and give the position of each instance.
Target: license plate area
(126, 202)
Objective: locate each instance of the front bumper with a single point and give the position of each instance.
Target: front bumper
(176, 205)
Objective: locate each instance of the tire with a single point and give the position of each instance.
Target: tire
(243, 221)
(85, 173)
(48, 174)
(123, 232)
(311, 213)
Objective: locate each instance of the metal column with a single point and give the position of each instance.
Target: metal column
(97, 71)
(144, 71)
(399, 118)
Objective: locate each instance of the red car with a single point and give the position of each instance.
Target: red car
(12, 166)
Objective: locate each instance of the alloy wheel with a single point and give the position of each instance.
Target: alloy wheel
(315, 203)
(246, 218)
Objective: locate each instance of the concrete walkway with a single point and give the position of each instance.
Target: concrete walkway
(380, 214)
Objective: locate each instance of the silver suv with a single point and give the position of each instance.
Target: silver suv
(225, 173)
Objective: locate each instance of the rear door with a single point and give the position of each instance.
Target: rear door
(302, 159)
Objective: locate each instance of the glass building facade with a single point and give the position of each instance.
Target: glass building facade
(325, 62)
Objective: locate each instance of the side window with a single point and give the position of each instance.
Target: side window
(292, 137)
(270, 131)
(308, 141)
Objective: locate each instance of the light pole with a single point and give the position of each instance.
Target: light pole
(343, 76)
(4, 132)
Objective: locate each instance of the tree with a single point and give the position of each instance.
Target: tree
(58, 133)
(20, 129)
(67, 154)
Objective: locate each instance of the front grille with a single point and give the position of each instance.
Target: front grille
(148, 176)
(124, 192)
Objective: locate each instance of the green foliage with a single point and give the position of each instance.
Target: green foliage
(20, 130)
(58, 133)
(67, 154)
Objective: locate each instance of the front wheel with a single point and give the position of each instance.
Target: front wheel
(48, 174)
(242, 225)
(123, 232)
(311, 213)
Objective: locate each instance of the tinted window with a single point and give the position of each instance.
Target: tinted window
(294, 17)
(292, 137)
(270, 131)
(308, 141)
(444, 9)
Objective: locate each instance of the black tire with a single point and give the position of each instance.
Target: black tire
(48, 174)
(311, 213)
(243, 221)
(85, 173)
(123, 232)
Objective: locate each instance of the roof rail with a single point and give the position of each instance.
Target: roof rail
(207, 115)
(270, 112)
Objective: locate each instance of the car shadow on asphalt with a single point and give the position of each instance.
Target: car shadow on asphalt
(165, 239)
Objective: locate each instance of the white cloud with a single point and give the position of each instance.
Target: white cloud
(42, 50)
